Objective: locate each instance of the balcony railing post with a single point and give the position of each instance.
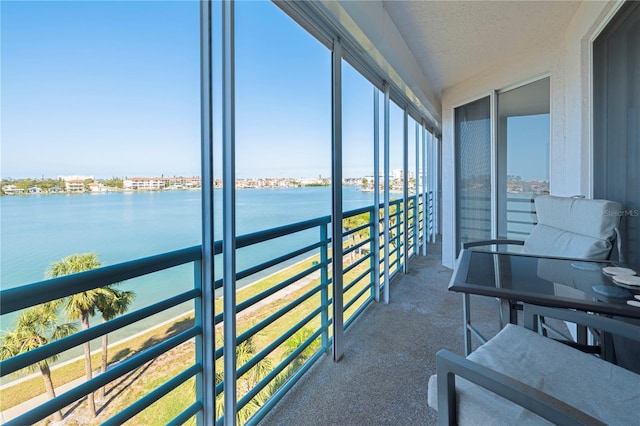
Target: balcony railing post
(416, 224)
(375, 213)
(432, 224)
(336, 201)
(203, 269)
(405, 190)
(436, 188)
(416, 198)
(374, 265)
(324, 282)
(386, 192)
(229, 213)
(399, 226)
(425, 217)
(432, 183)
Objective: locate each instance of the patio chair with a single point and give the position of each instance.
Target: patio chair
(520, 377)
(570, 227)
(567, 227)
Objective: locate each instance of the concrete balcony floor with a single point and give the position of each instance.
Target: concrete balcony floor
(390, 353)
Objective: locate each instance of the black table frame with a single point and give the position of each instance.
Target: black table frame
(459, 283)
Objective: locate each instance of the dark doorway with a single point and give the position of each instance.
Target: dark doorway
(616, 122)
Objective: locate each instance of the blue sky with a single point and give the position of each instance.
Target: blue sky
(99, 89)
(527, 157)
(112, 89)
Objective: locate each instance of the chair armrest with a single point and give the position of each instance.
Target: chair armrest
(450, 365)
(619, 328)
(492, 242)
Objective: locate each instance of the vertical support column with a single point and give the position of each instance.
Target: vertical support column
(425, 199)
(431, 174)
(324, 285)
(387, 242)
(494, 164)
(228, 211)
(405, 191)
(375, 218)
(433, 189)
(203, 269)
(336, 187)
(436, 187)
(416, 198)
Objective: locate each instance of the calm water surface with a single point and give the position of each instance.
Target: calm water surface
(37, 230)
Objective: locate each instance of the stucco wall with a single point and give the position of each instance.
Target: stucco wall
(567, 62)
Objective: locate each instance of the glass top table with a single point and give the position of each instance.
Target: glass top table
(546, 281)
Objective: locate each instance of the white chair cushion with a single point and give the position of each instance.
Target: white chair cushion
(593, 218)
(545, 240)
(598, 388)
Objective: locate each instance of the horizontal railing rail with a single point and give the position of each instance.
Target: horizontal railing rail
(26, 359)
(14, 299)
(521, 216)
(520, 211)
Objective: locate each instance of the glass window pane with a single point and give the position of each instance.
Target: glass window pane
(357, 138)
(357, 163)
(101, 139)
(283, 176)
(523, 156)
(396, 179)
(283, 119)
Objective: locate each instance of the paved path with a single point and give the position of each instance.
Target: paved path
(20, 409)
(285, 292)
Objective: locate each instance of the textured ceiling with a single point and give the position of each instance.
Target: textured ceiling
(455, 40)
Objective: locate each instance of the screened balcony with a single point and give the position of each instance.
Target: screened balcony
(320, 341)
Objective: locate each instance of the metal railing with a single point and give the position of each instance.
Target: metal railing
(520, 213)
(521, 216)
(290, 316)
(27, 296)
(431, 233)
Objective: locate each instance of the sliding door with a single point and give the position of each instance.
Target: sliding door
(616, 117)
(473, 171)
(494, 198)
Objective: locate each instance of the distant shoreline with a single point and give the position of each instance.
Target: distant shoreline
(147, 191)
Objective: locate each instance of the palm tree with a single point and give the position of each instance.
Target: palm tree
(111, 304)
(295, 341)
(353, 222)
(81, 305)
(245, 351)
(37, 327)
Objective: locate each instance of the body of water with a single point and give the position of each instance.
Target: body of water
(38, 230)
